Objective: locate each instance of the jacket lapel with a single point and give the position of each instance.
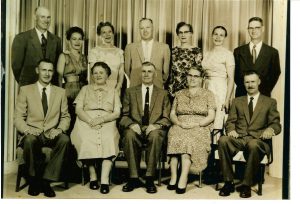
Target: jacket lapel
(153, 99)
(246, 109)
(139, 99)
(51, 102)
(140, 51)
(261, 55)
(154, 49)
(36, 43)
(245, 52)
(257, 108)
(38, 96)
(50, 44)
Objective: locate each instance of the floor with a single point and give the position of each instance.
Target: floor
(272, 190)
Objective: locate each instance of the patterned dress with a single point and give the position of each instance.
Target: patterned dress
(195, 141)
(182, 60)
(96, 143)
(215, 64)
(113, 57)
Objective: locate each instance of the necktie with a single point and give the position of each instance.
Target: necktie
(44, 101)
(250, 106)
(146, 108)
(254, 54)
(44, 45)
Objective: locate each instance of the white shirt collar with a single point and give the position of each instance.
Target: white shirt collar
(144, 90)
(39, 33)
(257, 47)
(40, 88)
(255, 98)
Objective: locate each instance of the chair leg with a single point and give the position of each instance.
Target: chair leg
(200, 179)
(18, 179)
(82, 175)
(66, 185)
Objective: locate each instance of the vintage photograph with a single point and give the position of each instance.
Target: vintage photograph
(145, 99)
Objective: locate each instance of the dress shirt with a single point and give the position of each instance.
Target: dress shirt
(144, 90)
(39, 33)
(257, 48)
(255, 98)
(147, 50)
(48, 89)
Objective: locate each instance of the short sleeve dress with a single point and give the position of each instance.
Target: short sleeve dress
(215, 64)
(182, 60)
(195, 141)
(113, 57)
(101, 143)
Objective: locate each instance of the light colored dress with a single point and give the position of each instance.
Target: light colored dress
(214, 64)
(104, 142)
(182, 60)
(113, 57)
(195, 141)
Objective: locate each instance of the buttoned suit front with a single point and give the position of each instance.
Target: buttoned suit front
(265, 115)
(29, 113)
(266, 65)
(132, 113)
(160, 57)
(27, 52)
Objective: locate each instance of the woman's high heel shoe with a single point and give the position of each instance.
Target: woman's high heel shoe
(171, 187)
(180, 190)
(104, 188)
(94, 185)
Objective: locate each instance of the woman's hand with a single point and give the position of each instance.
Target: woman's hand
(96, 121)
(189, 125)
(226, 106)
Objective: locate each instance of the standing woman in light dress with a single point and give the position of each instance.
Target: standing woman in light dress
(72, 69)
(184, 57)
(110, 54)
(218, 64)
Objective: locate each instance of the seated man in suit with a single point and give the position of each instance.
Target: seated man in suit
(42, 117)
(146, 110)
(252, 120)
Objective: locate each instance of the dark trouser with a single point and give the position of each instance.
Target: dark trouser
(133, 146)
(254, 151)
(35, 159)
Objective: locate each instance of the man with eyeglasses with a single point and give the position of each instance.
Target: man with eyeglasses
(147, 50)
(257, 56)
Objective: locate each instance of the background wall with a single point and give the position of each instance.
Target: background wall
(125, 15)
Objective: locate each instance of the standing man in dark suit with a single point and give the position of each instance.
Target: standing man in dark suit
(252, 120)
(146, 110)
(147, 50)
(30, 47)
(257, 56)
(42, 117)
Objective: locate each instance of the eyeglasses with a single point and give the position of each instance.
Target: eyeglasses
(254, 28)
(184, 32)
(193, 76)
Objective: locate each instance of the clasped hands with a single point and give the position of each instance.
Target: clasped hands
(267, 134)
(96, 123)
(137, 129)
(36, 132)
(189, 125)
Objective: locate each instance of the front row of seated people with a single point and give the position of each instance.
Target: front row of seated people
(147, 121)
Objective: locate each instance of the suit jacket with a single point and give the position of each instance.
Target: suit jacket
(27, 52)
(132, 111)
(29, 110)
(134, 57)
(264, 115)
(267, 65)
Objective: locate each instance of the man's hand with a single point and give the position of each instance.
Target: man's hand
(136, 128)
(33, 131)
(267, 134)
(152, 127)
(54, 132)
(233, 133)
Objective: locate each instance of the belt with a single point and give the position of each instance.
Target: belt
(73, 78)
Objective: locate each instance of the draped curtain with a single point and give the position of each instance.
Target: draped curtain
(125, 16)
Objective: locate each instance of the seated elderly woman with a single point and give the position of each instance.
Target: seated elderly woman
(192, 115)
(95, 134)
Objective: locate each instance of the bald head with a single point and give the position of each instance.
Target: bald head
(42, 18)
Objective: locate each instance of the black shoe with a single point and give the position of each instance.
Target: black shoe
(240, 188)
(94, 185)
(226, 189)
(245, 192)
(48, 191)
(171, 187)
(104, 188)
(180, 190)
(131, 185)
(150, 187)
(33, 190)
